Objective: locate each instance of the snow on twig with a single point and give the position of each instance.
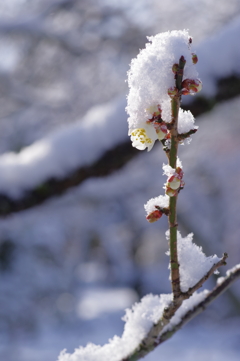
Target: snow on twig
(145, 329)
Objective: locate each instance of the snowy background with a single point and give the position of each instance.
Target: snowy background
(69, 267)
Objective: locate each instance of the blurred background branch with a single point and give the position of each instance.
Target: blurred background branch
(111, 160)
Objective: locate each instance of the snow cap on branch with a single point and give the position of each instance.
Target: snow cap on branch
(150, 77)
(139, 321)
(194, 264)
(160, 201)
(185, 122)
(168, 170)
(154, 207)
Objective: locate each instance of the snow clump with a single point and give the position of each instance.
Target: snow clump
(194, 264)
(150, 77)
(139, 320)
(160, 201)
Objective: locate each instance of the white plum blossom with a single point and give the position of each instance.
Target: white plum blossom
(150, 130)
(144, 136)
(149, 78)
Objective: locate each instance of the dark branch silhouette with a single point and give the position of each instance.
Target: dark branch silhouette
(111, 161)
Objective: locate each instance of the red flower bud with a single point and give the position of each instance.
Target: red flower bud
(182, 184)
(173, 182)
(175, 68)
(191, 86)
(182, 59)
(168, 136)
(154, 216)
(179, 172)
(194, 58)
(171, 192)
(172, 92)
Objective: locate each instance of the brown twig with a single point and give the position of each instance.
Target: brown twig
(186, 135)
(172, 159)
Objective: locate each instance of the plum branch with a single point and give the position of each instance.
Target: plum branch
(163, 329)
(155, 115)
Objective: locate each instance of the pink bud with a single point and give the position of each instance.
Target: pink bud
(173, 182)
(168, 136)
(194, 58)
(182, 184)
(179, 172)
(191, 86)
(154, 216)
(185, 92)
(175, 68)
(171, 192)
(172, 92)
(182, 60)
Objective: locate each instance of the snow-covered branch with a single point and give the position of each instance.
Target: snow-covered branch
(111, 161)
(222, 285)
(215, 266)
(146, 327)
(19, 191)
(53, 165)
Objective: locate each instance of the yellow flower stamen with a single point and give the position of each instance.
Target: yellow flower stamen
(141, 136)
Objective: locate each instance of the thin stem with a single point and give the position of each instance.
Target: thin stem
(172, 218)
(179, 75)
